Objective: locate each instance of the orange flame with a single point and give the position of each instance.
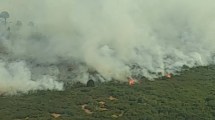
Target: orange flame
(168, 75)
(131, 81)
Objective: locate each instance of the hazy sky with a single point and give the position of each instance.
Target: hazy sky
(24, 10)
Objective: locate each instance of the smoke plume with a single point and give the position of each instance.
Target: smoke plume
(115, 38)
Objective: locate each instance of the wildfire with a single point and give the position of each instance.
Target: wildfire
(131, 81)
(168, 75)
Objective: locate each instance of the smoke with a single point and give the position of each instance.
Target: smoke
(16, 77)
(115, 38)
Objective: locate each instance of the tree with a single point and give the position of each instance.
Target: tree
(90, 83)
(4, 15)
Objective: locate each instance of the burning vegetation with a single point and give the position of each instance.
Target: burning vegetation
(95, 60)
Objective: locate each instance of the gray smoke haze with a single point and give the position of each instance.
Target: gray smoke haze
(116, 38)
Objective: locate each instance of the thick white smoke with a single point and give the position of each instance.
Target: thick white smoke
(16, 77)
(116, 38)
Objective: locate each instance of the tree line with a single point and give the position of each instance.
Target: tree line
(4, 15)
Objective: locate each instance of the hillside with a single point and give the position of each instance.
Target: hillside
(187, 96)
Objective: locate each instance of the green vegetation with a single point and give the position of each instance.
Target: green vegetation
(190, 95)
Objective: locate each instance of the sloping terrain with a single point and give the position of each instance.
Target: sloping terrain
(190, 95)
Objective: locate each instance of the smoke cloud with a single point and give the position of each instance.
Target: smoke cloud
(115, 38)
